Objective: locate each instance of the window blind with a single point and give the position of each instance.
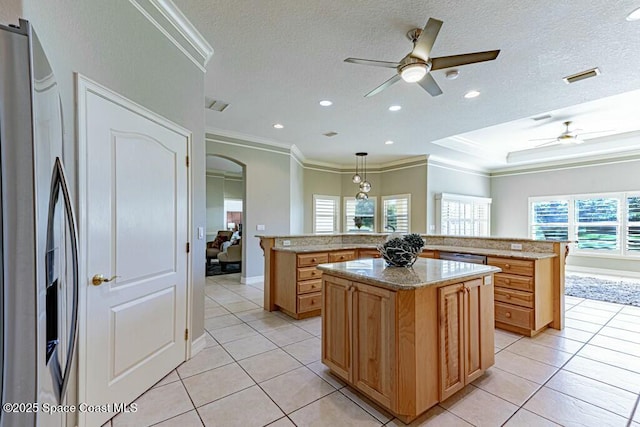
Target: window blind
(395, 213)
(464, 215)
(325, 214)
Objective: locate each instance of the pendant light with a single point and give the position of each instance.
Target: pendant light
(357, 179)
(364, 185)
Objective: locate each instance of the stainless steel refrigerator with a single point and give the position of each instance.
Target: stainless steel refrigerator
(38, 262)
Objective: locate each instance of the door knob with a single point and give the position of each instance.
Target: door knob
(99, 279)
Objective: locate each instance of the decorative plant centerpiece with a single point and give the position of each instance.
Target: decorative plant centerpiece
(401, 251)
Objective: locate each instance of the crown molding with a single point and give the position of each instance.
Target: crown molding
(176, 27)
(297, 155)
(240, 137)
(445, 163)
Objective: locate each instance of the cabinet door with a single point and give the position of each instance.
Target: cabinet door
(472, 330)
(374, 320)
(451, 339)
(336, 325)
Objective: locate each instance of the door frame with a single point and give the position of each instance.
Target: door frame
(84, 86)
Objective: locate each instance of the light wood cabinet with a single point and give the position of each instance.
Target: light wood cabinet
(298, 283)
(398, 347)
(465, 335)
(368, 253)
(523, 294)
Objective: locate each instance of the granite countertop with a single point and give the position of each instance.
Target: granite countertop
(425, 272)
(321, 248)
(458, 249)
(491, 252)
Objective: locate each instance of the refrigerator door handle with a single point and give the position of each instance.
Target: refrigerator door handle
(59, 374)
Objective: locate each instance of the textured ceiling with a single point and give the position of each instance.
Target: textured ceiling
(274, 60)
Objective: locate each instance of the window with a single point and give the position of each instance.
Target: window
(599, 223)
(458, 215)
(360, 215)
(550, 220)
(395, 213)
(326, 214)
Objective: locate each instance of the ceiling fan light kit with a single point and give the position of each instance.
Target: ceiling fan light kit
(416, 66)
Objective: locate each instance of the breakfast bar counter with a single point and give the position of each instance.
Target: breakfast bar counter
(407, 338)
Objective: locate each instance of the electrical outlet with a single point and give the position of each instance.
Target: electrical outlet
(260, 227)
(487, 280)
(516, 247)
(286, 243)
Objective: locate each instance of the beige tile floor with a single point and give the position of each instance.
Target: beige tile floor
(263, 368)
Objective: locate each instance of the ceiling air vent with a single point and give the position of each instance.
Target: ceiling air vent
(215, 105)
(330, 134)
(587, 74)
(544, 117)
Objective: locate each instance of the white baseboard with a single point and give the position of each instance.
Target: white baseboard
(601, 271)
(251, 280)
(198, 344)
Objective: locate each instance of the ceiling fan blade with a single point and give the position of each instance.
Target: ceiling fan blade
(546, 144)
(422, 48)
(385, 64)
(384, 85)
(543, 139)
(429, 84)
(464, 59)
(592, 132)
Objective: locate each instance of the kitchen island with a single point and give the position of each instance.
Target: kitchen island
(407, 338)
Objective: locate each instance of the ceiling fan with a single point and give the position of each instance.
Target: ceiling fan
(568, 136)
(416, 65)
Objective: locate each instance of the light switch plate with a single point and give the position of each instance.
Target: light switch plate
(260, 227)
(487, 280)
(200, 233)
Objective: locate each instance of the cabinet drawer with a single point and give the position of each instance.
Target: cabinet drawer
(511, 296)
(309, 302)
(309, 286)
(369, 253)
(513, 281)
(342, 256)
(306, 273)
(308, 260)
(428, 254)
(513, 266)
(514, 315)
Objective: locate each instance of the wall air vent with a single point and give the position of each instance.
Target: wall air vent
(215, 105)
(330, 134)
(587, 74)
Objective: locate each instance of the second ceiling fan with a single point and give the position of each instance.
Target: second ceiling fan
(416, 65)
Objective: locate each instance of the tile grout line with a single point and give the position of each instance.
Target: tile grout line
(562, 367)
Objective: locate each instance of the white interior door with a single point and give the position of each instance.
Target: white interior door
(135, 217)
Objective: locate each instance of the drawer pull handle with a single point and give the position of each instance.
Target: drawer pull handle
(341, 256)
(507, 315)
(507, 281)
(508, 296)
(507, 266)
(313, 273)
(314, 260)
(313, 301)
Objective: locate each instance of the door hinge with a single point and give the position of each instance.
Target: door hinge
(187, 161)
(188, 247)
(186, 334)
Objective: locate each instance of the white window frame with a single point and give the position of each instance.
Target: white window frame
(346, 220)
(406, 197)
(473, 200)
(570, 213)
(336, 213)
(622, 224)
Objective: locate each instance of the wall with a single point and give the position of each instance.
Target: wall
(320, 182)
(10, 11)
(296, 174)
(215, 205)
(510, 192)
(442, 178)
(233, 188)
(408, 180)
(267, 193)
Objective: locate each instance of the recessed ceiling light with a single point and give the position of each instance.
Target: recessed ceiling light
(278, 126)
(326, 103)
(634, 15)
(452, 74)
(395, 108)
(471, 94)
(388, 142)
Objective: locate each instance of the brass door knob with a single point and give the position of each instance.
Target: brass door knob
(99, 279)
